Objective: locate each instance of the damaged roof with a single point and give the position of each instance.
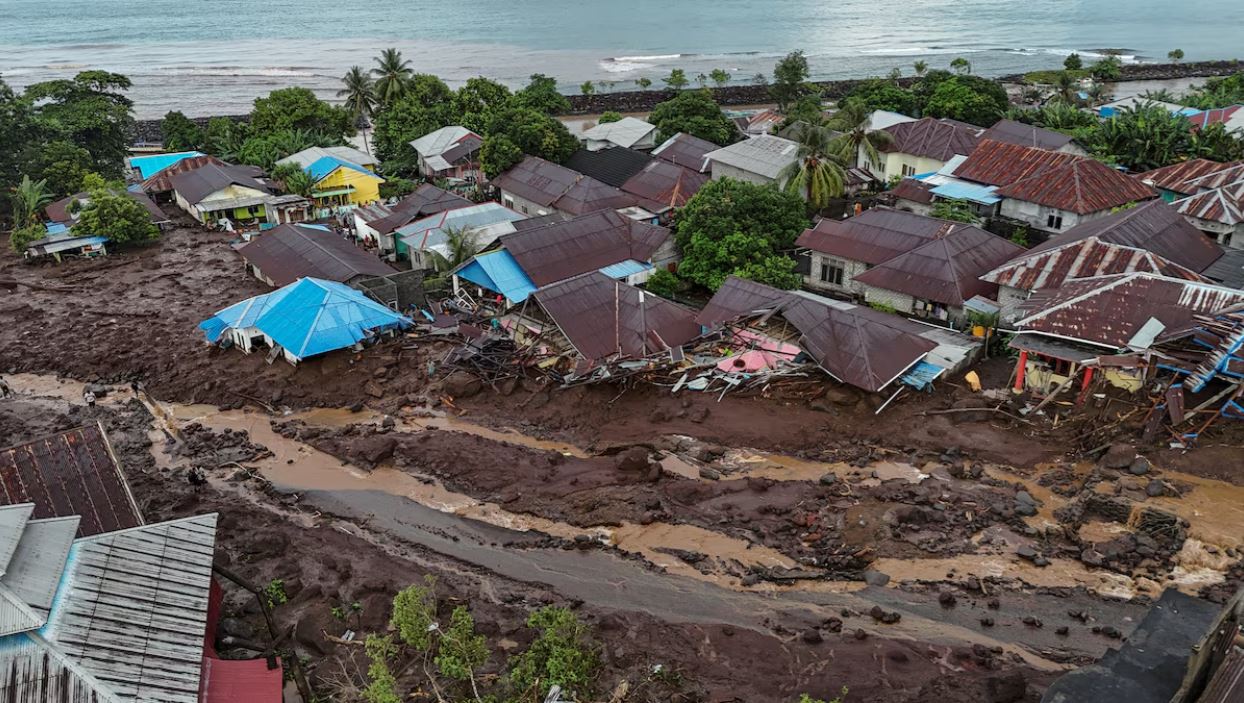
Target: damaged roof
(426, 200)
(875, 236)
(604, 318)
(1115, 311)
(1013, 132)
(945, 270)
(932, 138)
(289, 252)
(590, 242)
(160, 182)
(194, 186)
(1054, 179)
(1081, 258)
(913, 190)
(686, 150)
(70, 473)
(1176, 176)
(59, 210)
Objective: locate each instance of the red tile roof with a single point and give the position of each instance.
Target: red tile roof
(932, 138)
(946, 270)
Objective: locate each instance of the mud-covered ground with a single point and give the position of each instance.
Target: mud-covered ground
(742, 542)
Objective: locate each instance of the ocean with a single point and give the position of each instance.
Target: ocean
(207, 57)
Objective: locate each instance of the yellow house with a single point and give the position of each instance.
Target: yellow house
(922, 146)
(343, 184)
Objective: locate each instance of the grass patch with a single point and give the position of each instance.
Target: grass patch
(1050, 76)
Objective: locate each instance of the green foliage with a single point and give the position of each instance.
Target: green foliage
(1056, 116)
(112, 213)
(90, 111)
(498, 154)
(709, 262)
(358, 90)
(1217, 144)
(790, 77)
(274, 591)
(1073, 62)
(1140, 139)
(609, 116)
(424, 108)
(462, 244)
(477, 101)
(392, 74)
(883, 307)
(266, 149)
(818, 173)
(805, 698)
(462, 651)
(1175, 55)
(542, 96)
(397, 187)
(1020, 236)
(878, 94)
(17, 131)
(663, 283)
(381, 684)
(643, 83)
(1217, 92)
(955, 210)
(920, 67)
(21, 237)
(27, 201)
(414, 614)
(676, 80)
(694, 113)
(290, 109)
(533, 132)
(299, 182)
(1109, 68)
(807, 109)
(563, 654)
(1049, 77)
(971, 99)
(961, 66)
(720, 77)
(852, 121)
(224, 138)
(179, 133)
(587, 88)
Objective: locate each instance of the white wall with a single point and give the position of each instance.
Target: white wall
(527, 207)
(851, 269)
(892, 163)
(1037, 216)
(721, 170)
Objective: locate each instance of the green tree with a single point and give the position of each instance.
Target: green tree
(720, 77)
(877, 94)
(1073, 62)
(1141, 138)
(805, 698)
(224, 138)
(807, 109)
(179, 133)
(28, 200)
(961, 66)
(498, 154)
(701, 79)
(392, 74)
(709, 262)
(956, 211)
(676, 80)
(693, 112)
(62, 164)
(1109, 68)
(534, 133)
(381, 684)
(818, 173)
(920, 67)
(760, 79)
(563, 654)
(90, 111)
(299, 109)
(1217, 92)
(299, 182)
(852, 121)
(411, 117)
(462, 651)
(1214, 142)
(112, 213)
(461, 244)
(972, 99)
(17, 133)
(790, 77)
(414, 614)
(609, 116)
(643, 83)
(1066, 88)
(22, 237)
(587, 88)
(1176, 55)
(663, 283)
(478, 100)
(541, 95)
(359, 93)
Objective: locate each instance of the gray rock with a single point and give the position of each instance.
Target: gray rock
(875, 578)
(1139, 466)
(829, 479)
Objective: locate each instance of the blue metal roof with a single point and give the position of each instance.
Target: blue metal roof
(923, 176)
(308, 317)
(325, 165)
(922, 374)
(56, 228)
(499, 272)
(149, 166)
(967, 191)
(622, 269)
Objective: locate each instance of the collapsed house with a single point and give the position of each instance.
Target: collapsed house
(303, 319)
(97, 605)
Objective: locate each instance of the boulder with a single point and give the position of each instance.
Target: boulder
(461, 384)
(376, 449)
(875, 578)
(633, 460)
(1120, 455)
(1139, 466)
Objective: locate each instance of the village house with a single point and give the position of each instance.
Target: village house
(913, 195)
(1179, 180)
(159, 186)
(451, 153)
(1048, 191)
(686, 150)
(289, 252)
(658, 186)
(303, 159)
(303, 319)
(65, 211)
(145, 167)
(921, 146)
(1012, 132)
(1134, 102)
(212, 193)
(537, 187)
(376, 223)
(1215, 204)
(342, 185)
(426, 244)
(760, 159)
(628, 132)
(881, 119)
(62, 245)
(606, 241)
(1150, 238)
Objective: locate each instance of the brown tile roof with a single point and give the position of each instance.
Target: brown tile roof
(59, 210)
(291, 251)
(1176, 176)
(946, 270)
(662, 185)
(586, 243)
(914, 191)
(603, 318)
(1013, 132)
(71, 473)
(686, 150)
(589, 195)
(876, 236)
(1111, 310)
(932, 138)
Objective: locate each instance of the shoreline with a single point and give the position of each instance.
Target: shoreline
(147, 131)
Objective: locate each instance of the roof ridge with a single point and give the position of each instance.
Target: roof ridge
(1091, 293)
(137, 528)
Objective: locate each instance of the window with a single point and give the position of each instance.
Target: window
(908, 171)
(1054, 220)
(833, 271)
(508, 202)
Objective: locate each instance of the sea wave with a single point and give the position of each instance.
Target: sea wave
(653, 57)
(241, 71)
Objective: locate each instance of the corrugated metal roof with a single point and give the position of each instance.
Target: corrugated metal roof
(194, 186)
(148, 166)
(70, 473)
(497, 271)
(32, 671)
(1231, 174)
(1083, 258)
(309, 317)
(914, 191)
(685, 150)
(933, 138)
(324, 166)
(876, 236)
(542, 182)
(161, 182)
(623, 269)
(306, 157)
(13, 519)
(662, 185)
(438, 142)
(610, 166)
(289, 252)
(1111, 310)
(240, 681)
(1222, 205)
(946, 270)
(587, 243)
(1013, 132)
(1227, 684)
(487, 220)
(764, 155)
(1176, 176)
(967, 191)
(1229, 270)
(603, 318)
(1218, 115)
(590, 195)
(625, 132)
(426, 200)
(34, 572)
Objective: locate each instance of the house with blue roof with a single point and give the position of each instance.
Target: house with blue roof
(148, 166)
(303, 319)
(341, 184)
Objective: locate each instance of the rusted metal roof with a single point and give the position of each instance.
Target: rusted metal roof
(59, 210)
(1176, 176)
(542, 182)
(1013, 132)
(914, 191)
(876, 236)
(686, 150)
(856, 345)
(1111, 310)
(946, 270)
(159, 183)
(70, 473)
(292, 251)
(1227, 685)
(1223, 205)
(607, 319)
(1082, 258)
(194, 186)
(588, 195)
(1055, 179)
(662, 185)
(933, 138)
(586, 243)
(1232, 174)
(1153, 226)
(426, 200)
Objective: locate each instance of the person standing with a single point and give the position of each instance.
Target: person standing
(89, 397)
(5, 391)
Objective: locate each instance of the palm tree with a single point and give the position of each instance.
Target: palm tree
(1097, 94)
(852, 121)
(393, 74)
(461, 244)
(920, 67)
(1065, 87)
(300, 183)
(359, 92)
(817, 173)
(28, 199)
